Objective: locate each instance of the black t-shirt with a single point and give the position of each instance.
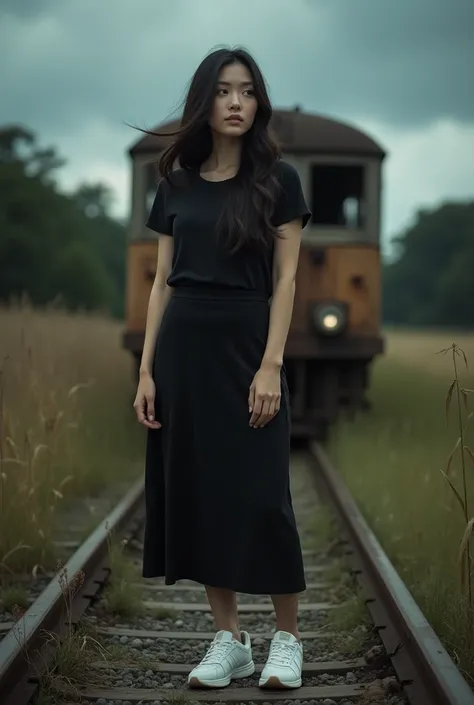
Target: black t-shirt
(189, 210)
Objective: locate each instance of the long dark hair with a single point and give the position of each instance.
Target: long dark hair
(246, 216)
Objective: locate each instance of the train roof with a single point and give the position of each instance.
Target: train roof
(298, 132)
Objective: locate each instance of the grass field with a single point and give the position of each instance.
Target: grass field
(392, 457)
(67, 425)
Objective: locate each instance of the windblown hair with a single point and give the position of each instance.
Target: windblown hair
(246, 217)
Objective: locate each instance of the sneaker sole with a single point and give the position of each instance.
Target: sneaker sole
(242, 672)
(275, 683)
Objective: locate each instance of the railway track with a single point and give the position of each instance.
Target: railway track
(365, 640)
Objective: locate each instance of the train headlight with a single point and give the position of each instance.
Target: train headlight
(329, 318)
(330, 321)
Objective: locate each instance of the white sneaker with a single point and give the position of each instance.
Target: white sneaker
(225, 660)
(284, 663)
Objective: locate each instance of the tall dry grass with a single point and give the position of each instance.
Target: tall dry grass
(416, 493)
(459, 479)
(66, 424)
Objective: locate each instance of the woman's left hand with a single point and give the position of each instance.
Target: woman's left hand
(264, 396)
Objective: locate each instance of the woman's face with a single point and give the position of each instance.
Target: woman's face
(235, 105)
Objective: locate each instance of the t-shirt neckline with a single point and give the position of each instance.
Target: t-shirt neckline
(219, 181)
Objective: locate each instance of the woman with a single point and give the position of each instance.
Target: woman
(212, 388)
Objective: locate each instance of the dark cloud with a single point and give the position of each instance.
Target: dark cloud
(400, 62)
(81, 62)
(76, 70)
(26, 8)
(403, 62)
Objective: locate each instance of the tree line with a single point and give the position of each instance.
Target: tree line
(431, 280)
(69, 246)
(55, 245)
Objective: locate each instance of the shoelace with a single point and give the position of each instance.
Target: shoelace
(216, 652)
(281, 654)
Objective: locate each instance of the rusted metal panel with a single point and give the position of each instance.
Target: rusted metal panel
(141, 267)
(346, 273)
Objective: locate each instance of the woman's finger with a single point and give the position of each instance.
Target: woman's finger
(150, 408)
(251, 399)
(257, 409)
(142, 410)
(261, 420)
(271, 412)
(139, 407)
(151, 424)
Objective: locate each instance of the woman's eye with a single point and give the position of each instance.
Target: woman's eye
(224, 91)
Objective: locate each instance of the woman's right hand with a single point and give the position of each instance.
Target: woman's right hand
(144, 403)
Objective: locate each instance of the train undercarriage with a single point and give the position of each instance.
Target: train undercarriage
(327, 378)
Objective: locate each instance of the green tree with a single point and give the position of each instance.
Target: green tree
(80, 278)
(52, 244)
(94, 200)
(430, 282)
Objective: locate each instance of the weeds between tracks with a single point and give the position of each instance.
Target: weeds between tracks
(123, 596)
(74, 652)
(351, 621)
(80, 648)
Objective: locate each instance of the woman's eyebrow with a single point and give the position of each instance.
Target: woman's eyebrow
(242, 83)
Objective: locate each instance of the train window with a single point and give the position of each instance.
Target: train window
(337, 195)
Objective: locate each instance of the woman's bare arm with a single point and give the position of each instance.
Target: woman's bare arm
(285, 264)
(159, 297)
(265, 390)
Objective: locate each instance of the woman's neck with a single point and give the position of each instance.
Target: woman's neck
(224, 159)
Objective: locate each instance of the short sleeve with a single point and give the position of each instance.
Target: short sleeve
(159, 218)
(291, 203)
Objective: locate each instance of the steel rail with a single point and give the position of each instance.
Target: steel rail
(25, 649)
(426, 671)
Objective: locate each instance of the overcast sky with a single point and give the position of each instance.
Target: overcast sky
(75, 70)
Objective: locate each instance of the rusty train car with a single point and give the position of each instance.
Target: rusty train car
(335, 329)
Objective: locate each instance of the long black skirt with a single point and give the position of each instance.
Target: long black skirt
(218, 501)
